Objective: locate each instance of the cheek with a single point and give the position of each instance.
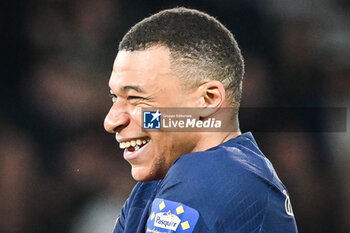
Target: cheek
(136, 121)
(136, 114)
(161, 148)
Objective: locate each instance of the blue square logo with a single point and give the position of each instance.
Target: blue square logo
(151, 119)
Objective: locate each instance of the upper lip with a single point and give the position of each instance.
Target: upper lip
(130, 139)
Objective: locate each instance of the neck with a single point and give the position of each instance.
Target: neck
(208, 140)
(212, 139)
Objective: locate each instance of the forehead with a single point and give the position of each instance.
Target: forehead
(140, 66)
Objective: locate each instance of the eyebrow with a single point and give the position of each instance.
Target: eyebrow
(135, 88)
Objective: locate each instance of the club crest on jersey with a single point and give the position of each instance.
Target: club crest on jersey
(167, 220)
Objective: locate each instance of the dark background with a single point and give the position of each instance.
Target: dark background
(59, 170)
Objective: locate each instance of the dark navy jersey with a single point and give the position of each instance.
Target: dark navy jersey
(229, 188)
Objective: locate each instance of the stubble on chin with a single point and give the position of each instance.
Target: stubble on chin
(160, 169)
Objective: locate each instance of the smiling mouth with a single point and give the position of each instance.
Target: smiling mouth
(134, 145)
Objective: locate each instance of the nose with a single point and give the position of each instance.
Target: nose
(116, 119)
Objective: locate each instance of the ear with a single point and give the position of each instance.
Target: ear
(213, 96)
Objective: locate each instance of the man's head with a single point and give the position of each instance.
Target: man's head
(201, 48)
(175, 58)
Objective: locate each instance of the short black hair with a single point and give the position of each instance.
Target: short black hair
(200, 46)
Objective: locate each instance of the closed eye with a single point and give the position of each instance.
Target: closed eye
(113, 97)
(134, 97)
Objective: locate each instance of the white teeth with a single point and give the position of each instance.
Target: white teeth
(134, 143)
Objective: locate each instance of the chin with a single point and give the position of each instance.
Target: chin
(142, 174)
(146, 174)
